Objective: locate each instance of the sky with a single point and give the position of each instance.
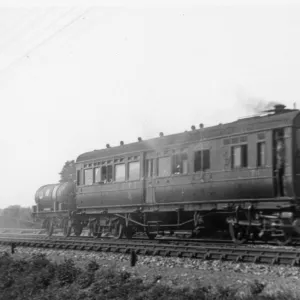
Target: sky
(74, 78)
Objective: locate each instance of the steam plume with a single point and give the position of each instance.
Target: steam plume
(253, 105)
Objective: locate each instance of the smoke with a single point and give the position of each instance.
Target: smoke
(256, 105)
(252, 104)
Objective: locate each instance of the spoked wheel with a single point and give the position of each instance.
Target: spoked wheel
(117, 230)
(237, 233)
(50, 227)
(67, 228)
(285, 239)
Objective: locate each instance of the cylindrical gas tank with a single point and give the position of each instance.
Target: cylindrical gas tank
(49, 194)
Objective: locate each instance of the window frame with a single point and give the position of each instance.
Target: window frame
(177, 159)
(84, 176)
(259, 156)
(94, 174)
(157, 166)
(244, 161)
(151, 162)
(202, 164)
(106, 173)
(115, 172)
(78, 177)
(128, 171)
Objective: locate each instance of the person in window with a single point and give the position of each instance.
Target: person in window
(177, 171)
(280, 162)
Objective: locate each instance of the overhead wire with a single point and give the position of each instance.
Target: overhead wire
(44, 41)
(32, 24)
(12, 30)
(36, 34)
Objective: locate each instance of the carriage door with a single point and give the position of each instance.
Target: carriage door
(149, 180)
(278, 162)
(297, 162)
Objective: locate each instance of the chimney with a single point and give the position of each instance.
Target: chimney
(193, 128)
(121, 143)
(107, 146)
(161, 134)
(139, 139)
(279, 108)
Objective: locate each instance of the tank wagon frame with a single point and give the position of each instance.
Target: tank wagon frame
(241, 177)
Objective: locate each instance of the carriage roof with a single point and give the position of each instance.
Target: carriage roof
(241, 126)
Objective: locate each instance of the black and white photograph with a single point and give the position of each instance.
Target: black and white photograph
(149, 150)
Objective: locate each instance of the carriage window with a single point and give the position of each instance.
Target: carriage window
(106, 174)
(179, 163)
(164, 166)
(206, 160)
(120, 172)
(261, 154)
(88, 176)
(197, 161)
(134, 170)
(298, 139)
(149, 168)
(78, 177)
(202, 160)
(97, 177)
(239, 156)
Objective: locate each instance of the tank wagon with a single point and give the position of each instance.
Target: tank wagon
(242, 177)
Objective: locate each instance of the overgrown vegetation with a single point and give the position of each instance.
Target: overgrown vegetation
(38, 278)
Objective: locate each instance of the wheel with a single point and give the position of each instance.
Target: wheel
(286, 237)
(67, 228)
(237, 234)
(95, 231)
(150, 235)
(117, 230)
(284, 240)
(78, 229)
(50, 227)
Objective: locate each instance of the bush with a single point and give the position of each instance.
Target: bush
(66, 272)
(37, 278)
(92, 266)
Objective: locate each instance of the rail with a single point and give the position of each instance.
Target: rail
(159, 248)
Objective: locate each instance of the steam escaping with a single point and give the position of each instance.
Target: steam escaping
(253, 105)
(257, 106)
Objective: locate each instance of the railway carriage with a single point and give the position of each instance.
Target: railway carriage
(241, 177)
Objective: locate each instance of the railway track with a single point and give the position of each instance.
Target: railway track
(41, 234)
(162, 248)
(21, 231)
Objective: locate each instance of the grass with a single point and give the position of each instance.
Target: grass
(38, 278)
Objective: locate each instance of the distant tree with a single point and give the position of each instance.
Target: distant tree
(68, 172)
(12, 211)
(16, 216)
(18, 212)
